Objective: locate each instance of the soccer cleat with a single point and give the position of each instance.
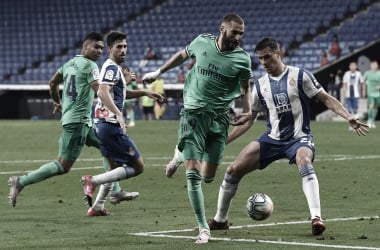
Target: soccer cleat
(203, 237)
(14, 189)
(88, 189)
(214, 225)
(92, 212)
(116, 198)
(317, 226)
(174, 163)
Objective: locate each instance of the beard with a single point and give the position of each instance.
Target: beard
(230, 44)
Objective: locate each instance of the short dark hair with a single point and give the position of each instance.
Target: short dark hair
(94, 36)
(114, 36)
(232, 17)
(267, 42)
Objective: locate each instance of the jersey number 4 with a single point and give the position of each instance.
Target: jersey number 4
(71, 89)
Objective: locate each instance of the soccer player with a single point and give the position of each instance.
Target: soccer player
(351, 85)
(80, 78)
(115, 144)
(371, 90)
(284, 93)
(221, 73)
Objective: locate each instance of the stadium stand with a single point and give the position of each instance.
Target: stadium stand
(38, 36)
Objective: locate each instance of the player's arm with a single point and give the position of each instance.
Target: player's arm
(106, 98)
(237, 131)
(54, 82)
(364, 89)
(333, 104)
(246, 101)
(130, 94)
(176, 60)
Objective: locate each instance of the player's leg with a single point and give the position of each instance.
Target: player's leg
(310, 186)
(372, 113)
(131, 115)
(70, 143)
(122, 150)
(247, 161)
(174, 163)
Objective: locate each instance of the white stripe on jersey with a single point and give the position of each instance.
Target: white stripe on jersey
(286, 100)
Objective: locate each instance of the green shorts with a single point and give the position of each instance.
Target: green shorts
(373, 100)
(202, 135)
(73, 138)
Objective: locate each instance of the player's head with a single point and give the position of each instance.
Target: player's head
(374, 65)
(117, 46)
(93, 46)
(231, 31)
(269, 53)
(353, 66)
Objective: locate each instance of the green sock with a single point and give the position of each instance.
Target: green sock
(374, 115)
(131, 115)
(44, 172)
(195, 193)
(116, 186)
(370, 115)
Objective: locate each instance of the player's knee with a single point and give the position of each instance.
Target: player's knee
(231, 179)
(306, 169)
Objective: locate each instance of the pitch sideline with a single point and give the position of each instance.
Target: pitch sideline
(166, 234)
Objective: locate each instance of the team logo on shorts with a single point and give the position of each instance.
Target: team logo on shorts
(132, 151)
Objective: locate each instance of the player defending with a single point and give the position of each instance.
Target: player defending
(115, 144)
(80, 78)
(284, 93)
(221, 73)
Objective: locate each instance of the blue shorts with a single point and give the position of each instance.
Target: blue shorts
(115, 144)
(272, 150)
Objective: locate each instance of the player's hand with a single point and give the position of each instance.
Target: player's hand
(57, 108)
(121, 121)
(151, 76)
(156, 96)
(359, 127)
(241, 119)
(129, 77)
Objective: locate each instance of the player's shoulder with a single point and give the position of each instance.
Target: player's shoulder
(207, 36)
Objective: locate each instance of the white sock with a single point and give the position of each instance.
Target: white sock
(311, 190)
(102, 195)
(116, 174)
(226, 192)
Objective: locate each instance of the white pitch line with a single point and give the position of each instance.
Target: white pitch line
(319, 159)
(263, 241)
(164, 234)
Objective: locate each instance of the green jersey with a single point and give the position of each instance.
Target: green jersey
(372, 79)
(214, 80)
(77, 94)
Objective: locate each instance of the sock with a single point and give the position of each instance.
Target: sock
(44, 172)
(116, 186)
(310, 188)
(131, 115)
(226, 192)
(374, 115)
(370, 115)
(102, 195)
(116, 174)
(196, 199)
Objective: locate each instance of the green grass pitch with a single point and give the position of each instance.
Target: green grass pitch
(52, 215)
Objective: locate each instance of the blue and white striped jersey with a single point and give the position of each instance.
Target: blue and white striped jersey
(111, 74)
(286, 100)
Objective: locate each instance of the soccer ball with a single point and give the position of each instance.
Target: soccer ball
(259, 206)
